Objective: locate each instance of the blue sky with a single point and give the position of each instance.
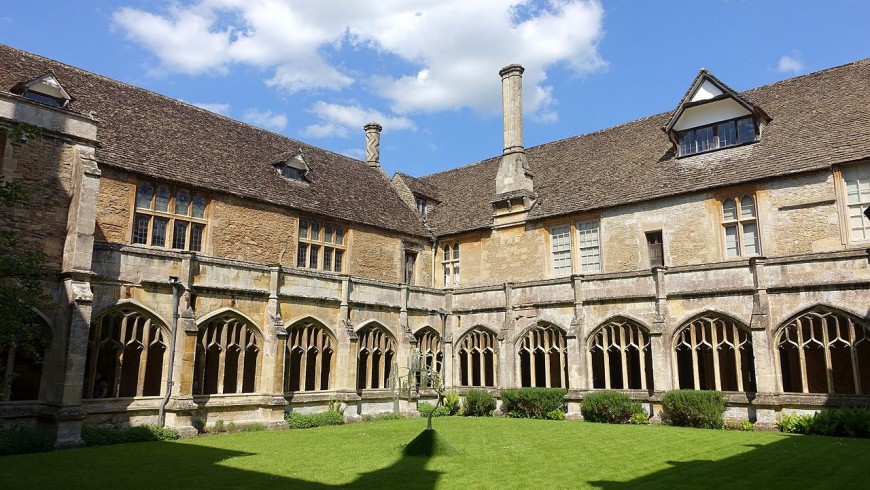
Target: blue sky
(428, 70)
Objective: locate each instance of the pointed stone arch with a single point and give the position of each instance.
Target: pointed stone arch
(823, 349)
(127, 352)
(713, 351)
(620, 355)
(430, 349)
(542, 355)
(228, 354)
(309, 363)
(376, 351)
(477, 356)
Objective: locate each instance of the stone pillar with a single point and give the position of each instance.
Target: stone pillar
(512, 107)
(577, 372)
(345, 361)
(762, 347)
(506, 348)
(275, 339)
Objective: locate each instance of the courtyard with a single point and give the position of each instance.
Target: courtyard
(470, 453)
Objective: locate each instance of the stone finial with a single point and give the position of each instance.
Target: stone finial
(373, 144)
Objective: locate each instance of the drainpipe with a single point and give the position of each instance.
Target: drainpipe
(177, 287)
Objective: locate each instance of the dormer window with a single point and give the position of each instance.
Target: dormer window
(712, 116)
(293, 168)
(718, 135)
(45, 90)
(422, 207)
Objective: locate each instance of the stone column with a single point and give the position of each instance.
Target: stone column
(762, 347)
(506, 348)
(345, 361)
(577, 372)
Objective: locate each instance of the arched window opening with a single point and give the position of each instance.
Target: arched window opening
(477, 357)
(620, 357)
(21, 363)
(309, 358)
(430, 351)
(126, 355)
(376, 354)
(227, 357)
(824, 352)
(543, 358)
(714, 353)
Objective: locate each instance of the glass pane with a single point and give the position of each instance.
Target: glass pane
(179, 235)
(161, 203)
(143, 195)
(455, 274)
(455, 251)
(303, 228)
(338, 256)
(704, 138)
(745, 130)
(140, 229)
(313, 255)
(446, 253)
(747, 208)
(729, 210)
(687, 142)
(158, 232)
(182, 203)
(750, 239)
(327, 233)
(302, 255)
(198, 206)
(853, 194)
(315, 230)
(339, 235)
(731, 248)
(196, 233)
(447, 275)
(327, 259)
(727, 132)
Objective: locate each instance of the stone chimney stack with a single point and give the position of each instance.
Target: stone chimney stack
(373, 144)
(513, 172)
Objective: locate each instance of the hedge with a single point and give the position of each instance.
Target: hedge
(609, 407)
(478, 403)
(307, 421)
(691, 408)
(21, 440)
(532, 403)
(104, 436)
(843, 422)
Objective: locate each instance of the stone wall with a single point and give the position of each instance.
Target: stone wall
(114, 206)
(245, 230)
(376, 255)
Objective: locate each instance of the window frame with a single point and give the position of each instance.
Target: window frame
(579, 244)
(649, 236)
(318, 248)
(739, 223)
(860, 172)
(450, 256)
(171, 217)
(569, 249)
(715, 142)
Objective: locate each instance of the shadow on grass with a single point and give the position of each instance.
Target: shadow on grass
(171, 465)
(793, 462)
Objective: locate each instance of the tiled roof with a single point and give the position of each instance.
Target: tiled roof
(818, 120)
(420, 187)
(160, 137)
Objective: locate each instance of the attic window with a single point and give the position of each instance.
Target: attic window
(422, 206)
(294, 168)
(718, 135)
(45, 90)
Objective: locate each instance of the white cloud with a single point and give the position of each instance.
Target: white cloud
(790, 63)
(454, 48)
(216, 107)
(345, 120)
(265, 119)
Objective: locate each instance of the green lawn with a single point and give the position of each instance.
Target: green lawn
(490, 453)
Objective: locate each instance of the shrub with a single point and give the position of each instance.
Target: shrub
(307, 421)
(747, 426)
(691, 408)
(844, 422)
(639, 418)
(198, 423)
(104, 436)
(610, 407)
(218, 426)
(478, 403)
(532, 403)
(258, 427)
(424, 408)
(556, 414)
(795, 424)
(387, 416)
(451, 401)
(21, 440)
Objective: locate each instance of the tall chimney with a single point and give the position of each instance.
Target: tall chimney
(513, 171)
(373, 144)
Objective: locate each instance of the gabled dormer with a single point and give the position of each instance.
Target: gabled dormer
(45, 90)
(712, 116)
(293, 168)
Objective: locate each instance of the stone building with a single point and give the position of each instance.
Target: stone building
(206, 269)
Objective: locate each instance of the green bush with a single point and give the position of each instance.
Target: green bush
(218, 426)
(451, 401)
(692, 408)
(424, 408)
(307, 421)
(843, 422)
(478, 403)
(257, 427)
(532, 403)
(639, 418)
(104, 436)
(387, 416)
(610, 407)
(21, 440)
(556, 414)
(795, 424)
